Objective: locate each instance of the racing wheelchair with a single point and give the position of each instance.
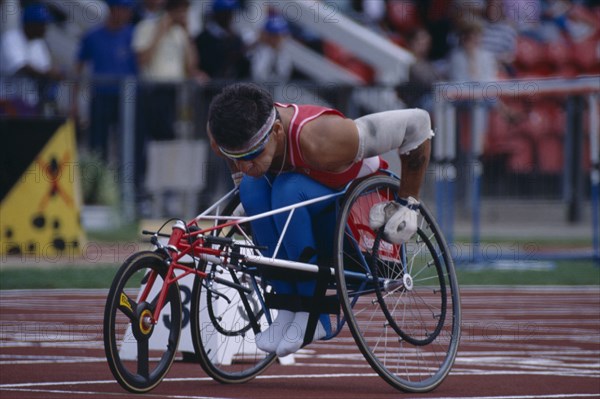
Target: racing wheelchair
(401, 303)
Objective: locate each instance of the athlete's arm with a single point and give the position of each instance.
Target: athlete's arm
(409, 131)
(332, 143)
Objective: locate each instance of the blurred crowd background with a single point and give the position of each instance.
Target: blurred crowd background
(84, 58)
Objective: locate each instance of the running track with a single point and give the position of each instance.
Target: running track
(516, 343)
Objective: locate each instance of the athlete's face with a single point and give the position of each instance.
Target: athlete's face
(260, 164)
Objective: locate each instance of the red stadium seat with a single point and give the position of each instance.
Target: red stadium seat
(403, 15)
(521, 156)
(557, 118)
(503, 139)
(530, 53)
(537, 123)
(588, 55)
(559, 54)
(498, 135)
(543, 118)
(568, 71)
(550, 155)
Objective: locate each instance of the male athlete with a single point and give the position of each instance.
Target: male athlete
(281, 154)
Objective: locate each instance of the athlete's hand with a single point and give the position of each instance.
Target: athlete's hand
(399, 220)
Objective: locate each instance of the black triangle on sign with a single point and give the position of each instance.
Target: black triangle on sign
(22, 141)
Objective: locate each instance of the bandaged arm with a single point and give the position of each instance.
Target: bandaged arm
(404, 130)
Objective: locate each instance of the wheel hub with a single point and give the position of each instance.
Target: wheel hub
(146, 322)
(408, 282)
(144, 326)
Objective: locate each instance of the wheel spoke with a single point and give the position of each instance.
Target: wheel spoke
(128, 306)
(143, 358)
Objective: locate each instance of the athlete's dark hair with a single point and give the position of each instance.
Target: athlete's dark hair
(237, 113)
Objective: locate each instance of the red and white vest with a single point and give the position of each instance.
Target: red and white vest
(306, 113)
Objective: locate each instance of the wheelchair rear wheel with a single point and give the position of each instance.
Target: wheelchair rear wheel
(401, 302)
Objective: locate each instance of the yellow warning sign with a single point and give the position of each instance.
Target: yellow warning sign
(40, 213)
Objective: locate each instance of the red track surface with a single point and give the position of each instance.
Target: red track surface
(516, 343)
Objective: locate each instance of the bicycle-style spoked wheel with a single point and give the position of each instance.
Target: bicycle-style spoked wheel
(225, 317)
(401, 302)
(136, 356)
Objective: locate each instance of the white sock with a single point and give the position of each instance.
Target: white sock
(293, 335)
(269, 339)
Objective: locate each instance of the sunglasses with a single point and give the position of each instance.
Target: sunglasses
(255, 151)
(252, 153)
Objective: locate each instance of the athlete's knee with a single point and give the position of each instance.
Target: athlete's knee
(255, 195)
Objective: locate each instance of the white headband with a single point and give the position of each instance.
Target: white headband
(258, 137)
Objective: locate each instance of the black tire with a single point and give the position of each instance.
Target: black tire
(143, 370)
(224, 319)
(401, 302)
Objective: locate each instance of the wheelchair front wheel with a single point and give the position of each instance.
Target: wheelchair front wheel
(401, 302)
(136, 364)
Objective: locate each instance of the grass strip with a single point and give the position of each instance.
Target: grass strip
(101, 276)
(72, 276)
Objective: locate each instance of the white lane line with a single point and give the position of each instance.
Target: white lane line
(188, 379)
(71, 392)
(61, 392)
(558, 396)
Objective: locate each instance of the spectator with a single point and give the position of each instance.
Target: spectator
(437, 19)
(222, 51)
(107, 51)
(417, 92)
(163, 45)
(27, 76)
(166, 57)
(564, 20)
(374, 11)
(25, 52)
(469, 61)
(269, 59)
(526, 16)
(499, 36)
(148, 9)
(469, 11)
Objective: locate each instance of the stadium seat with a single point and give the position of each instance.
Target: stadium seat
(550, 154)
(403, 15)
(537, 123)
(559, 54)
(498, 135)
(521, 159)
(530, 53)
(588, 55)
(557, 118)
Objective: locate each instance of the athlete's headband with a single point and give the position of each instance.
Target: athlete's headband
(256, 144)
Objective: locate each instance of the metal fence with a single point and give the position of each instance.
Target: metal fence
(477, 154)
(556, 142)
